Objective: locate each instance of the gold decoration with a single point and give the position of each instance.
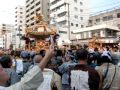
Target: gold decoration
(39, 31)
(38, 17)
(95, 42)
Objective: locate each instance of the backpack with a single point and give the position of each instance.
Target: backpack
(48, 80)
(46, 84)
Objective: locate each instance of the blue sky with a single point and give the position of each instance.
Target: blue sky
(7, 7)
(100, 5)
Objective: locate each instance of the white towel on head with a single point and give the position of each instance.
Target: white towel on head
(106, 53)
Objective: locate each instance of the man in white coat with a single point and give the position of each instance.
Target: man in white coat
(32, 80)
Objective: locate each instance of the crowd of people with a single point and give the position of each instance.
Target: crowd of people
(81, 69)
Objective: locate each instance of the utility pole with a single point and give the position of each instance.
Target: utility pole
(19, 36)
(55, 21)
(69, 31)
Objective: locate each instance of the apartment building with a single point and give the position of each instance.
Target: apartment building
(6, 34)
(109, 17)
(19, 27)
(36, 6)
(69, 15)
(105, 33)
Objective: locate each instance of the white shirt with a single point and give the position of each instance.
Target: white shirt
(2, 88)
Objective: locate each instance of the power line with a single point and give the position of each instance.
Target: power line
(106, 10)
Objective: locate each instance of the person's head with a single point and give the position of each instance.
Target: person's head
(6, 61)
(116, 49)
(17, 53)
(3, 76)
(69, 56)
(106, 58)
(12, 53)
(32, 54)
(37, 59)
(58, 53)
(91, 57)
(25, 55)
(1, 53)
(42, 53)
(82, 54)
(96, 49)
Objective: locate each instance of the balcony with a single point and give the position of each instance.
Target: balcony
(60, 19)
(61, 10)
(58, 4)
(52, 1)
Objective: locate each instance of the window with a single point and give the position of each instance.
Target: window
(62, 23)
(38, 3)
(72, 24)
(76, 9)
(81, 18)
(76, 17)
(27, 15)
(82, 26)
(3, 24)
(38, 9)
(98, 20)
(61, 14)
(48, 10)
(32, 18)
(110, 17)
(32, 2)
(81, 10)
(105, 18)
(90, 21)
(20, 21)
(21, 13)
(27, 10)
(20, 16)
(48, 4)
(76, 25)
(48, 16)
(81, 3)
(118, 15)
(27, 5)
(32, 7)
(32, 13)
(27, 1)
(75, 1)
(32, 23)
(63, 32)
(27, 21)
